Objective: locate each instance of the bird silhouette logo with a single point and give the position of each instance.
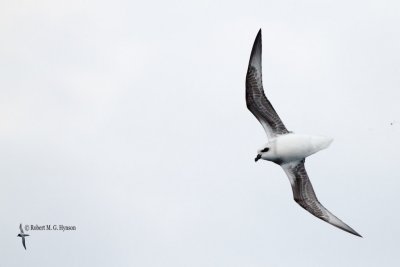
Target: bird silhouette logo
(22, 235)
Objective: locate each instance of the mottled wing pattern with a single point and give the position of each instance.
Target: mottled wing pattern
(256, 100)
(304, 195)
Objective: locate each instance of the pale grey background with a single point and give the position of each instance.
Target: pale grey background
(127, 119)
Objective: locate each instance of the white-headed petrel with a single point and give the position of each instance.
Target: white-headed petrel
(285, 148)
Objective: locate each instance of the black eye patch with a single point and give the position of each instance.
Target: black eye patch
(265, 149)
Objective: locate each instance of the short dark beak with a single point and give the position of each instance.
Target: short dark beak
(257, 158)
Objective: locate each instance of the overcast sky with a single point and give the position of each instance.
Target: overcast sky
(127, 119)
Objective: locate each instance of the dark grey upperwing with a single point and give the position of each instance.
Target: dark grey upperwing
(23, 242)
(304, 195)
(20, 228)
(256, 100)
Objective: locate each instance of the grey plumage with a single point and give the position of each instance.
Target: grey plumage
(304, 195)
(262, 109)
(256, 100)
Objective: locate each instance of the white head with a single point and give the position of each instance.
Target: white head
(263, 153)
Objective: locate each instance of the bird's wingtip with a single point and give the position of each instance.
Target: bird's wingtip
(255, 56)
(347, 228)
(357, 234)
(258, 37)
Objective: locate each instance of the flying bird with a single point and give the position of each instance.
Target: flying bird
(22, 235)
(284, 147)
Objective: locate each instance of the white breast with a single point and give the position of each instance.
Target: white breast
(291, 147)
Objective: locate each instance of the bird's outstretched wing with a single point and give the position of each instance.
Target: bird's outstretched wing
(256, 100)
(23, 242)
(304, 195)
(20, 228)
